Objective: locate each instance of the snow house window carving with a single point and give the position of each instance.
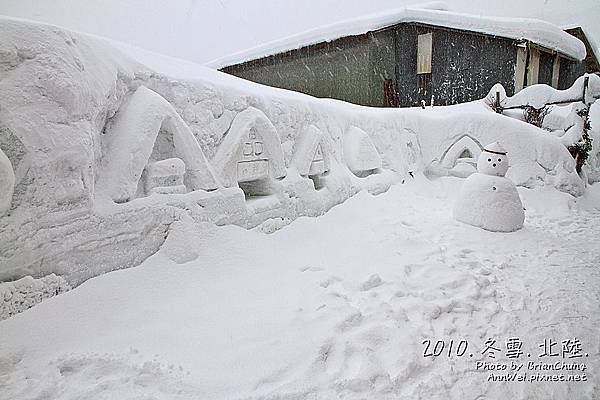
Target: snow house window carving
(424, 49)
(253, 165)
(317, 166)
(466, 154)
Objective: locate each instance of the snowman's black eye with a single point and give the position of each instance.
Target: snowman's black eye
(489, 160)
(499, 160)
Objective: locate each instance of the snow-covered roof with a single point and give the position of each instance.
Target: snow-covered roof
(540, 32)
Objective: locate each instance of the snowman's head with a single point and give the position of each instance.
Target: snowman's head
(493, 160)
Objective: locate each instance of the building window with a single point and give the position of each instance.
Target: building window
(555, 71)
(424, 46)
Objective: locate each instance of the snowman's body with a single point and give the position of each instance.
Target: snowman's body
(487, 199)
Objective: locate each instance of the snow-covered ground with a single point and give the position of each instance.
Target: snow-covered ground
(330, 307)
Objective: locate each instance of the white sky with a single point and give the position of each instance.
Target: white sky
(202, 30)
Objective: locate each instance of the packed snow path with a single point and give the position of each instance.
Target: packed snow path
(333, 306)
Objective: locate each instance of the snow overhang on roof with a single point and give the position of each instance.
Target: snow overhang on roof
(536, 31)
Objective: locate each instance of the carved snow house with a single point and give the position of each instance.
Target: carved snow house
(250, 155)
(311, 158)
(411, 55)
(146, 136)
(460, 159)
(360, 153)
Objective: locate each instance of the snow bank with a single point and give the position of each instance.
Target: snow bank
(84, 125)
(540, 32)
(26, 292)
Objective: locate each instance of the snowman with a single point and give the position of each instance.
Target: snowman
(487, 199)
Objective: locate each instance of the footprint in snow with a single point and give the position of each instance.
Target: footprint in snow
(329, 281)
(311, 269)
(373, 282)
(351, 321)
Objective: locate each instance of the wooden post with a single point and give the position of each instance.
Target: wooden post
(498, 109)
(586, 82)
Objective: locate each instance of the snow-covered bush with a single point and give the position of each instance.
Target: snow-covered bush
(563, 112)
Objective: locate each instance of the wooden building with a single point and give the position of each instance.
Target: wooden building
(592, 65)
(414, 55)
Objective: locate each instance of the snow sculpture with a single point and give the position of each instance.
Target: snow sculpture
(494, 161)
(165, 176)
(359, 153)
(7, 183)
(132, 141)
(487, 199)
(461, 158)
(251, 151)
(310, 159)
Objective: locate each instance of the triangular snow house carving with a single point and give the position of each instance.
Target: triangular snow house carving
(251, 150)
(132, 140)
(464, 150)
(359, 152)
(311, 157)
(7, 182)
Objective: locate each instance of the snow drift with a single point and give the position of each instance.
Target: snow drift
(84, 126)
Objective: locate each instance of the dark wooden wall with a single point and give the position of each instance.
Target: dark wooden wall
(464, 65)
(569, 72)
(546, 67)
(353, 69)
(591, 61)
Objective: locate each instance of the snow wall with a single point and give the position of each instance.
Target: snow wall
(108, 149)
